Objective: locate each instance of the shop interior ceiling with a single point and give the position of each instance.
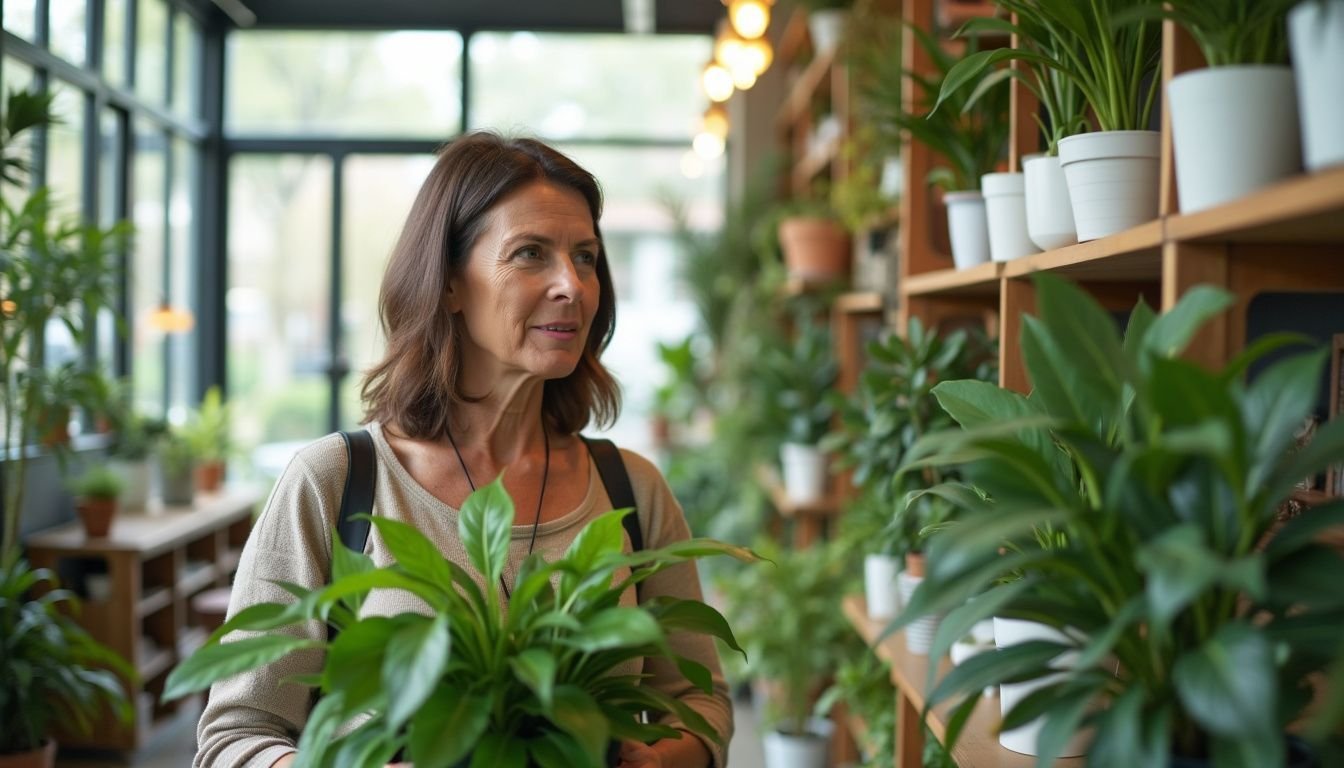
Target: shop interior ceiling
(636, 16)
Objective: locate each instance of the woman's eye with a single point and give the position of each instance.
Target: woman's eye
(586, 257)
(530, 252)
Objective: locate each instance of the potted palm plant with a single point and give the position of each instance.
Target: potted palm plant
(1163, 480)
(520, 681)
(208, 433)
(796, 377)
(96, 492)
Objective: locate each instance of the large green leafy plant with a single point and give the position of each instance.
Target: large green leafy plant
(530, 685)
(796, 376)
(1162, 479)
(1230, 32)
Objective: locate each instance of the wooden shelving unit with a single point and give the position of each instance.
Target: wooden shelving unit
(155, 563)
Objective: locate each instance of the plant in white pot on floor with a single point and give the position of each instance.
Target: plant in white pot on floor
(796, 376)
(1234, 122)
(1165, 479)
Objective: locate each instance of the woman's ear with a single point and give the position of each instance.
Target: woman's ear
(450, 296)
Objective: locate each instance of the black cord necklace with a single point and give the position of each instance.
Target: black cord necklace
(545, 475)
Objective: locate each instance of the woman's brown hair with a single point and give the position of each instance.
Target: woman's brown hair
(416, 385)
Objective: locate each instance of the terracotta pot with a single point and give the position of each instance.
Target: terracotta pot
(96, 515)
(816, 250)
(53, 427)
(209, 476)
(914, 563)
(42, 757)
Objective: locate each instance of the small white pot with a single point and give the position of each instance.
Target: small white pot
(1010, 632)
(136, 476)
(827, 28)
(1113, 180)
(1234, 131)
(809, 750)
(804, 472)
(968, 228)
(1006, 211)
(1049, 210)
(880, 588)
(1316, 39)
(918, 633)
(979, 640)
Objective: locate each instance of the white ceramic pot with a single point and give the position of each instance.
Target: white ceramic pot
(1010, 632)
(827, 29)
(1113, 180)
(880, 588)
(968, 228)
(136, 476)
(978, 641)
(804, 472)
(918, 633)
(1006, 212)
(1049, 210)
(809, 750)
(1234, 131)
(1316, 39)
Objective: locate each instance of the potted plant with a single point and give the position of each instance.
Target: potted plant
(1163, 479)
(796, 377)
(208, 433)
(1233, 123)
(970, 132)
(96, 491)
(787, 617)
(520, 681)
(52, 674)
(815, 245)
(1314, 29)
(175, 459)
(863, 685)
(826, 21)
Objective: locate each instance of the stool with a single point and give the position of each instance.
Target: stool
(211, 606)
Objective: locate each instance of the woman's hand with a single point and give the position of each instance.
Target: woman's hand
(637, 755)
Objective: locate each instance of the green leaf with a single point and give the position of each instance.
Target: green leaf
(598, 540)
(344, 560)
(498, 750)
(1017, 663)
(535, 667)
(616, 628)
(1169, 334)
(485, 523)
(1226, 683)
(959, 621)
(696, 674)
(1277, 403)
(1303, 530)
(447, 727)
(217, 662)
(355, 658)
(416, 657)
(1125, 738)
(1087, 341)
(676, 615)
(415, 553)
(319, 731)
(578, 715)
(1179, 568)
(556, 749)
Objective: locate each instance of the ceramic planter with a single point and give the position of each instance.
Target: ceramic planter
(1113, 180)
(135, 474)
(968, 228)
(880, 587)
(1010, 632)
(804, 472)
(177, 485)
(827, 29)
(1315, 30)
(1234, 131)
(918, 633)
(807, 750)
(1006, 212)
(96, 514)
(1049, 210)
(815, 249)
(42, 757)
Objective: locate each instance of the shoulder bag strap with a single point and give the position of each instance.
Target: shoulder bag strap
(611, 468)
(357, 497)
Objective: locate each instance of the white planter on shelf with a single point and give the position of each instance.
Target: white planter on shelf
(1234, 130)
(918, 633)
(1316, 40)
(1006, 213)
(1010, 632)
(1113, 180)
(135, 474)
(968, 228)
(1049, 210)
(808, 750)
(979, 640)
(880, 588)
(827, 28)
(804, 472)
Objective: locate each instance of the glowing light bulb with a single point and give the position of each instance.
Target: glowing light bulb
(717, 82)
(749, 17)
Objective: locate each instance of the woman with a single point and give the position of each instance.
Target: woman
(496, 305)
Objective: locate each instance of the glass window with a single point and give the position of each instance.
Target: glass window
(379, 190)
(16, 76)
(114, 42)
(67, 24)
(601, 85)
(182, 260)
(148, 213)
(344, 83)
(65, 147)
(186, 65)
(277, 302)
(151, 51)
(109, 150)
(20, 18)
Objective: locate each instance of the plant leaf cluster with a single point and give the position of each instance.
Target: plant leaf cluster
(1229, 32)
(1164, 479)
(527, 683)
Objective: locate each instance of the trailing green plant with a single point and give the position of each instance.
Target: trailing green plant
(796, 376)
(530, 682)
(97, 482)
(1229, 32)
(51, 671)
(1164, 479)
(208, 428)
(970, 135)
(863, 683)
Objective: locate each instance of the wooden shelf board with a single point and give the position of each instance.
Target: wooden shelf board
(799, 96)
(813, 163)
(978, 746)
(155, 599)
(154, 664)
(196, 577)
(1132, 255)
(190, 640)
(860, 302)
(980, 280)
(150, 534)
(1304, 209)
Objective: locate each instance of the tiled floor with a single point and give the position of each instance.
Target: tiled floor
(174, 746)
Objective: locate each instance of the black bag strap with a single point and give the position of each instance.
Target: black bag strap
(611, 468)
(357, 498)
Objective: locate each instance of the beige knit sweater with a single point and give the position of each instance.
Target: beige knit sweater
(254, 718)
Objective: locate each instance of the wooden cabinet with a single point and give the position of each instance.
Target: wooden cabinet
(137, 585)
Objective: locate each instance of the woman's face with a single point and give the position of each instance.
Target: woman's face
(529, 289)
